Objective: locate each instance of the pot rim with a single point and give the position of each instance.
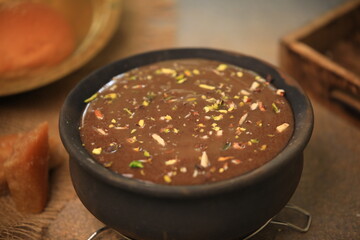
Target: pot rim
(68, 124)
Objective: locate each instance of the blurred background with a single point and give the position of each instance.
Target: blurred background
(250, 27)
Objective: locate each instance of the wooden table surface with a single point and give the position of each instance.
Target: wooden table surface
(329, 188)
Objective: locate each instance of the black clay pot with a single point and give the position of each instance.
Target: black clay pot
(228, 209)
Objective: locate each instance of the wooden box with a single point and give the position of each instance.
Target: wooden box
(324, 56)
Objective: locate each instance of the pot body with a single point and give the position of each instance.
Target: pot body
(228, 209)
(229, 215)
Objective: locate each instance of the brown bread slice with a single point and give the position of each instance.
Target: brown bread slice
(26, 170)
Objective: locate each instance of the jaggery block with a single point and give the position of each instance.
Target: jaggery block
(7, 143)
(6, 149)
(26, 170)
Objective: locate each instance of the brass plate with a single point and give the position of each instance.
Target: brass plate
(94, 22)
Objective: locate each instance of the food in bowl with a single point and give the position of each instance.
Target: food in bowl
(187, 121)
(227, 209)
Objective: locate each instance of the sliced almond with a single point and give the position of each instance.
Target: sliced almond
(170, 162)
(204, 162)
(282, 127)
(243, 118)
(254, 86)
(158, 139)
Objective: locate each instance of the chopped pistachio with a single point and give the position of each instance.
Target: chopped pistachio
(165, 130)
(260, 79)
(146, 153)
(246, 99)
(226, 146)
(275, 108)
(138, 86)
(205, 86)
(132, 78)
(97, 151)
(259, 123)
(180, 81)
(132, 139)
(217, 118)
(136, 164)
(150, 96)
(196, 72)
(216, 128)
(128, 111)
(167, 71)
(137, 149)
(108, 164)
(179, 77)
(167, 178)
(239, 74)
(263, 147)
(166, 117)
(141, 123)
(94, 96)
(110, 96)
(170, 162)
(145, 103)
(232, 106)
(221, 67)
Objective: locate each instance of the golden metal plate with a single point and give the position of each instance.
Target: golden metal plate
(94, 23)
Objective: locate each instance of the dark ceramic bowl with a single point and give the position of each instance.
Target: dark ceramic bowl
(227, 209)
